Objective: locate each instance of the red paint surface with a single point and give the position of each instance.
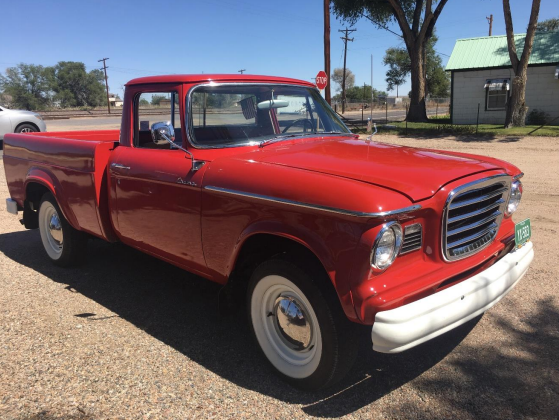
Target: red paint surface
(203, 231)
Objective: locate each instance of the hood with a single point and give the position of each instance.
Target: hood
(416, 173)
(19, 112)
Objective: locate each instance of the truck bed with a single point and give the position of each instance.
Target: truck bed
(72, 165)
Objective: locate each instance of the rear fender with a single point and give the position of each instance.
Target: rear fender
(45, 178)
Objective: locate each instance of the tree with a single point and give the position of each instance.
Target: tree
(156, 99)
(516, 106)
(398, 61)
(416, 20)
(360, 93)
(548, 25)
(28, 85)
(437, 80)
(338, 76)
(74, 87)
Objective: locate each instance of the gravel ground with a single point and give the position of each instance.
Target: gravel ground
(128, 336)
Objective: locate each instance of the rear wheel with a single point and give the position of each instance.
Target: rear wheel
(300, 328)
(64, 245)
(26, 128)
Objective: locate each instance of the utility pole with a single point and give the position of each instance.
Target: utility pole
(345, 39)
(241, 71)
(106, 82)
(372, 90)
(490, 20)
(327, 95)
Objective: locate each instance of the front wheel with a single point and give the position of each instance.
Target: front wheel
(300, 328)
(26, 128)
(64, 245)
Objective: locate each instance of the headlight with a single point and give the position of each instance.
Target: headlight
(38, 117)
(387, 246)
(515, 196)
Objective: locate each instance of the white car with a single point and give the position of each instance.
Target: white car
(18, 121)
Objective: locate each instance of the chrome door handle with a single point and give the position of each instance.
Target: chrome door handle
(119, 166)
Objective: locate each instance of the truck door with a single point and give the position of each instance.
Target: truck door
(157, 195)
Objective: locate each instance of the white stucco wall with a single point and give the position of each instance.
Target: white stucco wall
(542, 92)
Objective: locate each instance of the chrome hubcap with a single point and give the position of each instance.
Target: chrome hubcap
(26, 130)
(55, 229)
(292, 323)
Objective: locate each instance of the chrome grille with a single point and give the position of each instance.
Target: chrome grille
(413, 238)
(472, 216)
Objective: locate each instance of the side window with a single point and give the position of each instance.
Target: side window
(152, 107)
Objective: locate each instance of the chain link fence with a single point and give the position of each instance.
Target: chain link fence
(386, 110)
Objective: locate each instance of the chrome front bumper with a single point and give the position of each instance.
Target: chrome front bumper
(399, 329)
(11, 206)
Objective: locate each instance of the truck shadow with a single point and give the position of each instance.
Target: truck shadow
(180, 309)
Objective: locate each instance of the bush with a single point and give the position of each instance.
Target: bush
(537, 117)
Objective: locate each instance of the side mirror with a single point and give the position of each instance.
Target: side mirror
(162, 133)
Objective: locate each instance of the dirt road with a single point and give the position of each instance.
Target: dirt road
(128, 336)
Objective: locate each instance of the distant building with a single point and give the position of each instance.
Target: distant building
(115, 101)
(481, 73)
(394, 100)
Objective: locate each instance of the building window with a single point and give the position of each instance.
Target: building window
(496, 94)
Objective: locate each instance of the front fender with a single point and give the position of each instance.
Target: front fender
(337, 269)
(309, 239)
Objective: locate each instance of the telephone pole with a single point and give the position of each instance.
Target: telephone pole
(490, 20)
(327, 95)
(106, 82)
(241, 71)
(345, 39)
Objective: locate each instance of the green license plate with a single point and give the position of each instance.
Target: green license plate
(522, 231)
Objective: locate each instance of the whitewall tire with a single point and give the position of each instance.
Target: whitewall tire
(63, 244)
(298, 323)
(294, 350)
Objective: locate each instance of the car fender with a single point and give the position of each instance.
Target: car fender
(46, 179)
(315, 244)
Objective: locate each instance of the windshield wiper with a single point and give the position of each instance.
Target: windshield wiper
(280, 138)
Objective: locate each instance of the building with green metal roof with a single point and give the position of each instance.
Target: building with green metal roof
(481, 76)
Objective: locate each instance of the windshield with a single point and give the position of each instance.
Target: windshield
(236, 115)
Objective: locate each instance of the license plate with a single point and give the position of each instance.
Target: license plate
(523, 232)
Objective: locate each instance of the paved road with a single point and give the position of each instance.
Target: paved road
(110, 123)
(101, 123)
(393, 115)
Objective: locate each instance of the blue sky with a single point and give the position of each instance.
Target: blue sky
(281, 38)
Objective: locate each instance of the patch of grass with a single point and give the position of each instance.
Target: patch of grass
(442, 125)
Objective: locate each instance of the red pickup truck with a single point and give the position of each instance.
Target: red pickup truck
(255, 183)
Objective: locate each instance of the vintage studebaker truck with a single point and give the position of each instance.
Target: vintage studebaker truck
(254, 182)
